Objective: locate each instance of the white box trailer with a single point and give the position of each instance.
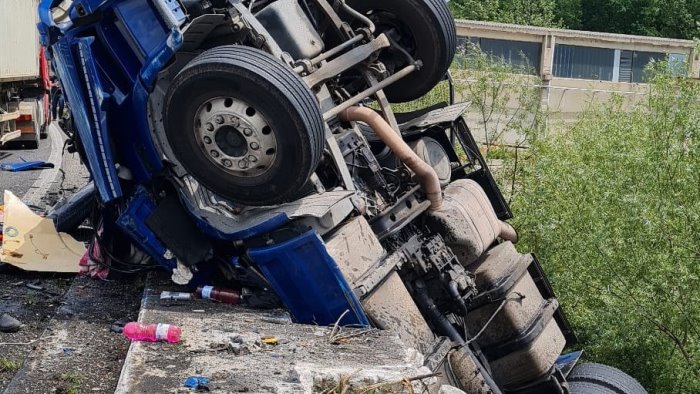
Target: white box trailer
(24, 83)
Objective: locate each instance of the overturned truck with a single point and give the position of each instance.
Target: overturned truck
(253, 143)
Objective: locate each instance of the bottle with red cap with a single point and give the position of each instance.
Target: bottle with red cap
(226, 296)
(152, 332)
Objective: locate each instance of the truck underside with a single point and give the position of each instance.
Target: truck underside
(253, 144)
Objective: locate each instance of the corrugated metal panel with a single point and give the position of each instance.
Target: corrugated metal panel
(19, 39)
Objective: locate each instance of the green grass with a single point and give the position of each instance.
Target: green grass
(7, 365)
(73, 382)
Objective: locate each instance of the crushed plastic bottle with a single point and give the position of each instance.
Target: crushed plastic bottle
(226, 296)
(152, 332)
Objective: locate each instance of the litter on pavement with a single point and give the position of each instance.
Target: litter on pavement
(175, 296)
(197, 383)
(25, 166)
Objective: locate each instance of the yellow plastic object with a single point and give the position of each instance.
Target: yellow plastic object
(32, 243)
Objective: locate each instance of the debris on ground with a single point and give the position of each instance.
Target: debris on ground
(175, 296)
(26, 166)
(32, 243)
(34, 286)
(117, 327)
(226, 296)
(9, 323)
(236, 347)
(199, 383)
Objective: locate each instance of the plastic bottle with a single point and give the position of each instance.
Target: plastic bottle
(152, 332)
(227, 296)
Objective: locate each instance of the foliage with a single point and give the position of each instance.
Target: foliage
(505, 112)
(664, 18)
(523, 12)
(611, 207)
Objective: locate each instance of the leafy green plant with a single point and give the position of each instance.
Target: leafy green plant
(612, 208)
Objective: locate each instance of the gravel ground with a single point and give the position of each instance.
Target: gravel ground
(65, 345)
(77, 352)
(33, 308)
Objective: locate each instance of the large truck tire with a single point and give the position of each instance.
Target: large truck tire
(592, 378)
(426, 29)
(244, 125)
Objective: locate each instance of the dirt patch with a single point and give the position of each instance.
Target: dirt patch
(74, 350)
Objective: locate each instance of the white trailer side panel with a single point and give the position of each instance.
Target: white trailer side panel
(19, 40)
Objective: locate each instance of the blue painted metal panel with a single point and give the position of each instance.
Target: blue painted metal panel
(74, 75)
(133, 223)
(309, 282)
(142, 23)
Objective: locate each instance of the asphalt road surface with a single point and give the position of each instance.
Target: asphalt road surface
(20, 182)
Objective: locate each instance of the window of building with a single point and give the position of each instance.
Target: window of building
(579, 62)
(522, 55)
(678, 63)
(633, 64)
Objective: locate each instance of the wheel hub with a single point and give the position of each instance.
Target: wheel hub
(235, 137)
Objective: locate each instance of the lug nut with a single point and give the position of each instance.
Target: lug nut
(207, 140)
(252, 159)
(219, 119)
(243, 164)
(210, 127)
(214, 153)
(247, 132)
(227, 163)
(254, 146)
(235, 121)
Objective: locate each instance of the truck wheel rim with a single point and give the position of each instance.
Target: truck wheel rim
(235, 137)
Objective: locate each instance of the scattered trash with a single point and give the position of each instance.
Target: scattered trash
(25, 166)
(117, 326)
(282, 318)
(225, 296)
(152, 332)
(241, 345)
(34, 286)
(9, 324)
(199, 383)
(32, 243)
(175, 296)
(239, 349)
(93, 263)
(270, 340)
(198, 311)
(68, 350)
